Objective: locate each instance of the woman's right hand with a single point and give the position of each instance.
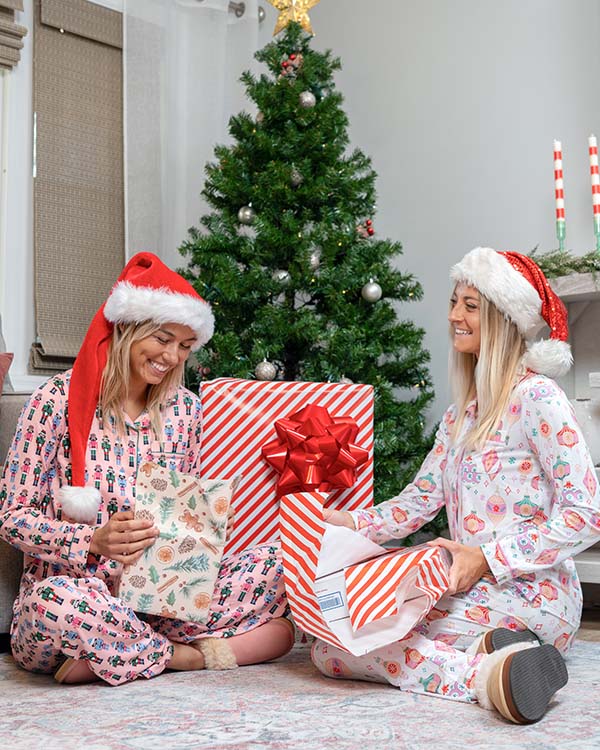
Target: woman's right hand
(124, 538)
(338, 518)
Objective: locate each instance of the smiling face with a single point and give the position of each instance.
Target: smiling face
(152, 357)
(464, 319)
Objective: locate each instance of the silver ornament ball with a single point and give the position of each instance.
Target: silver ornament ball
(265, 370)
(260, 118)
(346, 381)
(296, 178)
(281, 276)
(246, 215)
(315, 260)
(371, 292)
(307, 99)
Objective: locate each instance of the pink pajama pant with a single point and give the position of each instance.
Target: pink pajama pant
(62, 617)
(436, 656)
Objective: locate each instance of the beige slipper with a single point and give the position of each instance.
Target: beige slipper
(75, 672)
(499, 638)
(217, 653)
(519, 681)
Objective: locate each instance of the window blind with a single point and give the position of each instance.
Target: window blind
(78, 172)
(11, 33)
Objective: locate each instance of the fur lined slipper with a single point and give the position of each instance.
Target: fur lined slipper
(499, 638)
(75, 672)
(520, 680)
(217, 653)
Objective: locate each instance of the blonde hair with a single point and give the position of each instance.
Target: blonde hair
(489, 377)
(117, 373)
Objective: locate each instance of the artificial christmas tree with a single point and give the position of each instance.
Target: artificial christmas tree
(301, 287)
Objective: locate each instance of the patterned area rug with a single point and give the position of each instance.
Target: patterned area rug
(280, 706)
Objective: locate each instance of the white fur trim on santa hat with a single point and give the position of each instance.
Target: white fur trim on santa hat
(549, 357)
(128, 303)
(492, 275)
(79, 503)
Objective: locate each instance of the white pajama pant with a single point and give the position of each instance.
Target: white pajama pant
(437, 656)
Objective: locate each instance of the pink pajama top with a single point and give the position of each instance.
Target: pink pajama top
(38, 464)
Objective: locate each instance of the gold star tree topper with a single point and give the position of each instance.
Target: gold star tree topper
(293, 10)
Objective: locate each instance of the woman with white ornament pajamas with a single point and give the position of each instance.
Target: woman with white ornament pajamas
(521, 495)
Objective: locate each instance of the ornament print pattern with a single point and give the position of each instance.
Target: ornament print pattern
(530, 499)
(67, 604)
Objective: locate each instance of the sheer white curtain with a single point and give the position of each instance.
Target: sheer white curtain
(183, 59)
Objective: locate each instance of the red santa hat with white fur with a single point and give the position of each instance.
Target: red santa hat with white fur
(146, 290)
(516, 285)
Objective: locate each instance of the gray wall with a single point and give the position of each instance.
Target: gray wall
(458, 102)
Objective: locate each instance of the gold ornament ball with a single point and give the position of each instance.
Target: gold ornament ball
(246, 215)
(265, 370)
(371, 292)
(260, 118)
(307, 99)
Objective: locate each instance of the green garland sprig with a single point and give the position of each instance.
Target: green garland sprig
(561, 263)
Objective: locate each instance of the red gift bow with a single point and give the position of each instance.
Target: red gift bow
(314, 451)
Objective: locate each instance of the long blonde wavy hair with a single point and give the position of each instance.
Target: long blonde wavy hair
(490, 377)
(117, 373)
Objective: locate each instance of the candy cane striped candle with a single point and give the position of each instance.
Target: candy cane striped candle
(559, 195)
(593, 148)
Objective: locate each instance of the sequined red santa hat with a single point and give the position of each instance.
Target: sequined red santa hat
(516, 285)
(146, 290)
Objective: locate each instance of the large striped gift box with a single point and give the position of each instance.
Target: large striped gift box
(238, 420)
(349, 591)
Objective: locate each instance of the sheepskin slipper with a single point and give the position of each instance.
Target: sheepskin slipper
(75, 672)
(499, 638)
(217, 653)
(520, 680)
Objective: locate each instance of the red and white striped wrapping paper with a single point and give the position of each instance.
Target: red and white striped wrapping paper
(302, 528)
(386, 596)
(238, 419)
(372, 586)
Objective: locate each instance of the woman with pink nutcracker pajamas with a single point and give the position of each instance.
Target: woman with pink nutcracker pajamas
(512, 469)
(73, 518)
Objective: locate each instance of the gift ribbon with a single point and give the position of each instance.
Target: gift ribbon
(314, 451)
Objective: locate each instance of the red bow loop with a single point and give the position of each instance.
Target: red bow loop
(314, 451)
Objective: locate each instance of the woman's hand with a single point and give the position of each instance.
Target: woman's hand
(468, 564)
(124, 538)
(338, 518)
(230, 523)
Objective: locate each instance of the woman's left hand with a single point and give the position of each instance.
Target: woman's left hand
(230, 522)
(468, 564)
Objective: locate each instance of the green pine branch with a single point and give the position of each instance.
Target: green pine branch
(191, 564)
(312, 194)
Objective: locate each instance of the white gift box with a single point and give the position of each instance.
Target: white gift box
(349, 591)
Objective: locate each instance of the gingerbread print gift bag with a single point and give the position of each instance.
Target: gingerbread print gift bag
(175, 577)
